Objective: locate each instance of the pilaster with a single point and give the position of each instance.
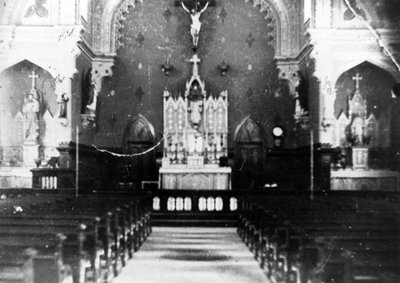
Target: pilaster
(101, 68)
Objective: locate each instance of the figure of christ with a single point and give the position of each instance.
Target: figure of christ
(196, 24)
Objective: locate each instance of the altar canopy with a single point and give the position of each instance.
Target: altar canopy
(195, 137)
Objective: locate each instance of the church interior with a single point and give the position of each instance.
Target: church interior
(192, 140)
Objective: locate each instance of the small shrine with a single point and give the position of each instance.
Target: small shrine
(357, 133)
(195, 137)
(358, 130)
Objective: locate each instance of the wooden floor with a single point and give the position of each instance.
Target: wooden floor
(192, 255)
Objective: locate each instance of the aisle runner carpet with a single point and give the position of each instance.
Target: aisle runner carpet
(192, 255)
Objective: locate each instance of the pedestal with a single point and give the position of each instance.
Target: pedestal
(30, 153)
(360, 158)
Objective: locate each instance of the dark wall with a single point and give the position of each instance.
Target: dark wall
(137, 84)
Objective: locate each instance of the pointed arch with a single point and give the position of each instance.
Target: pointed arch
(249, 157)
(283, 12)
(248, 131)
(138, 137)
(139, 130)
(14, 60)
(383, 64)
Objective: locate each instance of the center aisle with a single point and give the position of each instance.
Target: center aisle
(192, 255)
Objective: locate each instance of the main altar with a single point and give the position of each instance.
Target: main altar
(195, 130)
(195, 138)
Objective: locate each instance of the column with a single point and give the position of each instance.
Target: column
(101, 68)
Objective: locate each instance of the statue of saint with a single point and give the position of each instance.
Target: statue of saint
(31, 110)
(196, 111)
(196, 24)
(63, 105)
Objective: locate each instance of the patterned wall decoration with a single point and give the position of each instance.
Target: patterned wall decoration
(225, 29)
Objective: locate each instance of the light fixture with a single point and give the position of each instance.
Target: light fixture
(278, 134)
(167, 67)
(223, 68)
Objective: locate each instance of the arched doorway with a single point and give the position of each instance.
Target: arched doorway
(248, 161)
(138, 138)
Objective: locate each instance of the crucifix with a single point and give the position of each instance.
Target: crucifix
(195, 14)
(357, 78)
(33, 76)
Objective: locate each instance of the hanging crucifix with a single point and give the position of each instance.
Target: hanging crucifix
(195, 14)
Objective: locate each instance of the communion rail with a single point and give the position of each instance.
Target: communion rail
(52, 178)
(170, 201)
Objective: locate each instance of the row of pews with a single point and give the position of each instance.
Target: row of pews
(56, 237)
(330, 238)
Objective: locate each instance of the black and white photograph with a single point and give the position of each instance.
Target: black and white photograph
(196, 141)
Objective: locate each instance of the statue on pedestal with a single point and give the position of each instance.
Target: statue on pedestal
(63, 106)
(31, 110)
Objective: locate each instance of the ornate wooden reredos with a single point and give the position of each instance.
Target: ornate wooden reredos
(195, 126)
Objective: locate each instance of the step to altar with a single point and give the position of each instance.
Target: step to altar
(364, 180)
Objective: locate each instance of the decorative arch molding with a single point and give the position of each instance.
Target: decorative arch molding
(248, 131)
(106, 26)
(144, 130)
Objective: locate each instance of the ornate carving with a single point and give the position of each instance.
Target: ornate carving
(167, 14)
(222, 14)
(39, 8)
(288, 70)
(284, 39)
(101, 68)
(250, 40)
(88, 120)
(97, 21)
(119, 19)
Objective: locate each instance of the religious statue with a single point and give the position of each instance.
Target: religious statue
(195, 105)
(63, 105)
(196, 24)
(31, 110)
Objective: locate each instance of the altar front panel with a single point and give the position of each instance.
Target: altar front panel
(195, 178)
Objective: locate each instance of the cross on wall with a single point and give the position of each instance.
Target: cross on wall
(357, 78)
(33, 76)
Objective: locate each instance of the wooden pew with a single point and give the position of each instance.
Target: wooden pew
(308, 217)
(73, 209)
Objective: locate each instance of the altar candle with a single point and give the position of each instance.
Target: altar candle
(206, 130)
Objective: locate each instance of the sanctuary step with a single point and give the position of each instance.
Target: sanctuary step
(192, 254)
(193, 219)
